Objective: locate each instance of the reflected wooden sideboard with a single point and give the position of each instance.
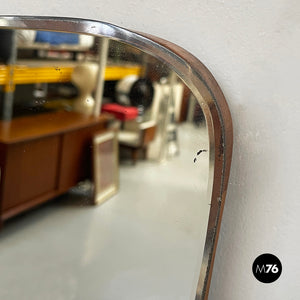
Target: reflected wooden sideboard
(43, 156)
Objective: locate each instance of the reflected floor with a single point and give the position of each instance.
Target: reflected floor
(144, 243)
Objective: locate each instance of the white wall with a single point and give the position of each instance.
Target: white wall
(252, 48)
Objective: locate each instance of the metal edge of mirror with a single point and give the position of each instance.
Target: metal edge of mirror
(201, 83)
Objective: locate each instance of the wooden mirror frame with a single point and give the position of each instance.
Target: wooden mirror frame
(201, 83)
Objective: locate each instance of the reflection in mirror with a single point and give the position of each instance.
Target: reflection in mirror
(67, 100)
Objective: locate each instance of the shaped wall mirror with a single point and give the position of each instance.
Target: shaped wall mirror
(92, 113)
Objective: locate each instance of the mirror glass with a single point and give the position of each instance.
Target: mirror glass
(104, 157)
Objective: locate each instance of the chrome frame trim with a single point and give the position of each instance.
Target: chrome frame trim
(183, 69)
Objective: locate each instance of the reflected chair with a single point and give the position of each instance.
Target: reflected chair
(136, 137)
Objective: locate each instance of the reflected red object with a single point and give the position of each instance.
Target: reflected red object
(122, 113)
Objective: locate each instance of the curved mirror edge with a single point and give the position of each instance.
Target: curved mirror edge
(201, 83)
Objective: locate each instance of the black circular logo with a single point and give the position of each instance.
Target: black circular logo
(267, 268)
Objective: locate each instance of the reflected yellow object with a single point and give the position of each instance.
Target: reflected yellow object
(119, 72)
(10, 76)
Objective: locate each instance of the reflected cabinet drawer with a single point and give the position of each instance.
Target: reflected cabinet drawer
(30, 170)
